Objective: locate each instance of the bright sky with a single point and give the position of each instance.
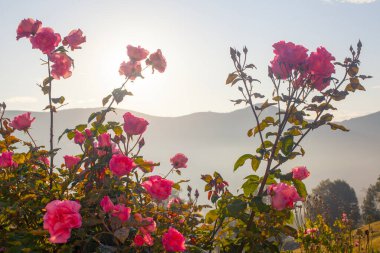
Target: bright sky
(195, 37)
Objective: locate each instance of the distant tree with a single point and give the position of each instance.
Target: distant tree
(371, 203)
(331, 200)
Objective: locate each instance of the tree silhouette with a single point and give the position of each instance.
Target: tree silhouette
(331, 200)
(371, 203)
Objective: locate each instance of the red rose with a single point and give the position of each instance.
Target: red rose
(158, 61)
(61, 65)
(158, 187)
(173, 241)
(22, 122)
(179, 161)
(321, 68)
(121, 165)
(130, 69)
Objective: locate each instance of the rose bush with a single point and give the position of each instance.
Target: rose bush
(109, 197)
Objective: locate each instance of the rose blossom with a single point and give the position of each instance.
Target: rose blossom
(104, 140)
(321, 68)
(88, 132)
(74, 39)
(130, 69)
(149, 225)
(71, 161)
(158, 187)
(283, 196)
(28, 27)
(121, 165)
(300, 172)
(45, 40)
(106, 204)
(158, 61)
(179, 161)
(173, 241)
(6, 159)
(137, 53)
(121, 212)
(22, 122)
(60, 218)
(134, 125)
(79, 138)
(61, 65)
(139, 240)
(173, 201)
(290, 54)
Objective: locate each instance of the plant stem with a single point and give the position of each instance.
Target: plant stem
(51, 127)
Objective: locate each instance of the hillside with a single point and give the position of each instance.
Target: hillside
(213, 141)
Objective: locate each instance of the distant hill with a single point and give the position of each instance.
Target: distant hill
(213, 141)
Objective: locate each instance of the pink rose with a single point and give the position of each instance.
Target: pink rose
(130, 69)
(149, 225)
(22, 122)
(88, 132)
(300, 172)
(45, 40)
(138, 217)
(104, 140)
(6, 159)
(28, 27)
(321, 68)
(44, 160)
(280, 70)
(173, 241)
(148, 239)
(61, 65)
(158, 187)
(79, 138)
(290, 54)
(71, 161)
(179, 161)
(283, 196)
(158, 61)
(173, 201)
(121, 212)
(60, 218)
(137, 53)
(74, 39)
(121, 165)
(106, 204)
(134, 125)
(139, 240)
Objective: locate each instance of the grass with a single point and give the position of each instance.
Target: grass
(375, 236)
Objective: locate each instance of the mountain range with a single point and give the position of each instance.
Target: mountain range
(213, 141)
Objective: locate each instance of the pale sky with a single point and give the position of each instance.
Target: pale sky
(195, 37)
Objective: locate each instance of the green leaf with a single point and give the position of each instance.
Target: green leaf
(59, 100)
(337, 126)
(119, 94)
(106, 99)
(118, 130)
(240, 162)
(236, 208)
(47, 80)
(70, 135)
(207, 178)
(250, 185)
(301, 188)
(255, 163)
(211, 216)
(93, 116)
(287, 144)
(81, 127)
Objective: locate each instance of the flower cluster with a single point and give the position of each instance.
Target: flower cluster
(132, 68)
(46, 40)
(291, 61)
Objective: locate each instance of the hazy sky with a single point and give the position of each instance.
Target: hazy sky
(195, 37)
